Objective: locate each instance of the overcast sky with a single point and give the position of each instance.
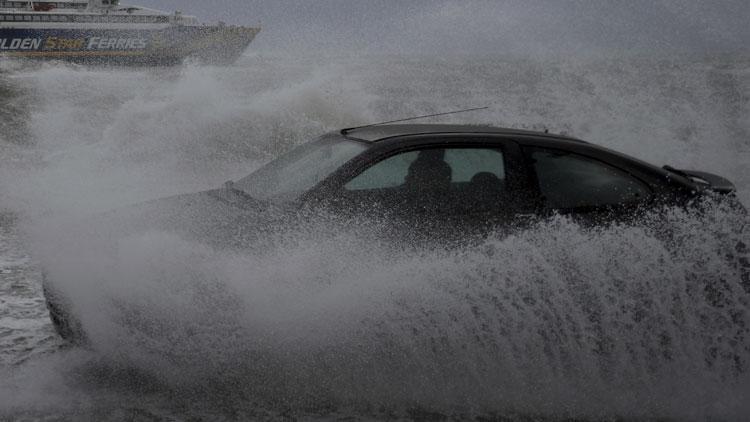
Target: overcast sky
(484, 26)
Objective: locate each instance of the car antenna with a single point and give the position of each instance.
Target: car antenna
(416, 118)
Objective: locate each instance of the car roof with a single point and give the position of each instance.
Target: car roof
(381, 132)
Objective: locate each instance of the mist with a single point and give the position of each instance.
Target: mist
(561, 321)
(440, 27)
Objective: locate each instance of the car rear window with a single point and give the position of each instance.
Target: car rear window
(568, 180)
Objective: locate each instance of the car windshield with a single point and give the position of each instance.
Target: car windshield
(299, 170)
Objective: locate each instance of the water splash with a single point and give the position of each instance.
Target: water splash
(560, 321)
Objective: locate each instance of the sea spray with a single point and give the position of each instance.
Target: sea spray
(559, 321)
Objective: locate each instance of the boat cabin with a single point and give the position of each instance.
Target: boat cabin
(87, 11)
(45, 6)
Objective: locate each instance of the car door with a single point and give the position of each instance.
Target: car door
(584, 187)
(447, 188)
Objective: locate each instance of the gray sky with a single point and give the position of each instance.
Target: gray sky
(482, 26)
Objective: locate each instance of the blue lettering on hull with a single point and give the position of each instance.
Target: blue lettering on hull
(138, 47)
(71, 40)
(13, 40)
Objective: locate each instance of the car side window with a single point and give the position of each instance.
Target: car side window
(568, 181)
(445, 181)
(468, 162)
(457, 166)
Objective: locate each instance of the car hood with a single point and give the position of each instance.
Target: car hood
(223, 218)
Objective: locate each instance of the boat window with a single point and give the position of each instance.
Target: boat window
(37, 18)
(45, 18)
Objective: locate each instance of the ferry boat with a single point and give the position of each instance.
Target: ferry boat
(104, 31)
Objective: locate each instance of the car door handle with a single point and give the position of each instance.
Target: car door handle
(526, 218)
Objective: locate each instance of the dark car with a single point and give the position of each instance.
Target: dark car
(418, 182)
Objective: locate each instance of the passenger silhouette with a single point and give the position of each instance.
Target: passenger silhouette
(429, 171)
